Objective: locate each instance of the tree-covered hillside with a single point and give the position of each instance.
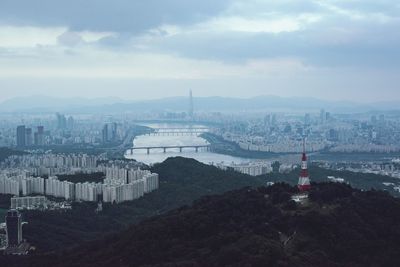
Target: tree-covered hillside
(338, 226)
(181, 182)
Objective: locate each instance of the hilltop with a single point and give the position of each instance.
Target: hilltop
(182, 181)
(338, 226)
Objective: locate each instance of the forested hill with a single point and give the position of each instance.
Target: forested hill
(181, 182)
(338, 226)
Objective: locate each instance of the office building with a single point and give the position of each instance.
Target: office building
(39, 136)
(28, 137)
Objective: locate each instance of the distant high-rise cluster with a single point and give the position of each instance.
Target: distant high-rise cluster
(26, 139)
(324, 116)
(63, 123)
(270, 120)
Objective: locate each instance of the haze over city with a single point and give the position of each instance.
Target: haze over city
(203, 133)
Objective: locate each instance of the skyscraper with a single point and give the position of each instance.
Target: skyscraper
(61, 121)
(28, 137)
(109, 132)
(21, 136)
(14, 228)
(104, 133)
(39, 136)
(191, 112)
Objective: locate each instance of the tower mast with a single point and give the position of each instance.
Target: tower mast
(304, 179)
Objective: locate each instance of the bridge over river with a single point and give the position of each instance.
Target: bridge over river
(165, 148)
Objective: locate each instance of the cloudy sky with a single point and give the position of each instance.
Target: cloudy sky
(134, 49)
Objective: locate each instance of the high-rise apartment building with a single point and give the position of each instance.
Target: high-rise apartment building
(28, 137)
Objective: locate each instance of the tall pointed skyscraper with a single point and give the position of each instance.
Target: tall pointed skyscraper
(304, 179)
(191, 113)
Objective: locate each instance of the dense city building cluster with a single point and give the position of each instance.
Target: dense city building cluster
(123, 184)
(124, 181)
(386, 168)
(54, 164)
(41, 132)
(280, 133)
(253, 169)
(114, 189)
(257, 168)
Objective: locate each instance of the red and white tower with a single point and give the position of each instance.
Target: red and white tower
(304, 179)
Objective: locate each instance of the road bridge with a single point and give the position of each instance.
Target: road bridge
(165, 148)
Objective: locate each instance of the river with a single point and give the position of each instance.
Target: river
(158, 155)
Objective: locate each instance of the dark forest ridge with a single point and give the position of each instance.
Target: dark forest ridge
(338, 226)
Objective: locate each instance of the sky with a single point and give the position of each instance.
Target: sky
(133, 49)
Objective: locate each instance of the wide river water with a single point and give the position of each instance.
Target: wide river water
(158, 155)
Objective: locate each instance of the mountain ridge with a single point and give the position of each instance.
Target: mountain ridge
(337, 227)
(39, 103)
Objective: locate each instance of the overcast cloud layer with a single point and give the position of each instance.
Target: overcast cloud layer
(149, 49)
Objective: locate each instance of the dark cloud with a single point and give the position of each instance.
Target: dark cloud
(133, 16)
(338, 39)
(332, 43)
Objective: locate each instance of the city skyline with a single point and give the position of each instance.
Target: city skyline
(199, 133)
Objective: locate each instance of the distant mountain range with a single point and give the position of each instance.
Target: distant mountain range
(181, 104)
